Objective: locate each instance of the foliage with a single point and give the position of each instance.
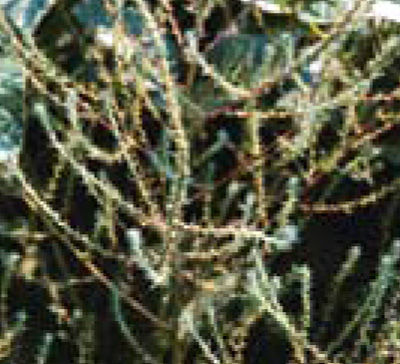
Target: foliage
(174, 154)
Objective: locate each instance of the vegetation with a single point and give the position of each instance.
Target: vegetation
(199, 182)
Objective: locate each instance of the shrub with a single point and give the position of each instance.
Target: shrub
(204, 182)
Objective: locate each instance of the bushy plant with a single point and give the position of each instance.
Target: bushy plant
(176, 158)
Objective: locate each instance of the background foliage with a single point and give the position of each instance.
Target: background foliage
(199, 181)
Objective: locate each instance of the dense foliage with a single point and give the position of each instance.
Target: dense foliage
(199, 181)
